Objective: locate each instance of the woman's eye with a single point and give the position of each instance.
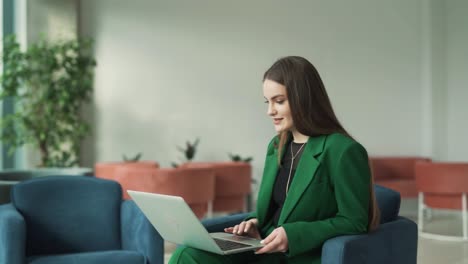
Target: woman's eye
(277, 101)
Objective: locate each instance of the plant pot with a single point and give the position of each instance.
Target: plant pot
(106, 170)
(233, 185)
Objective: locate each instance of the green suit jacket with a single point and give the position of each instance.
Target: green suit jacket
(329, 195)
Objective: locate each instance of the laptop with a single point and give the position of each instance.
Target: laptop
(175, 222)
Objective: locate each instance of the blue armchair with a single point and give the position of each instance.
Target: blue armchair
(395, 241)
(62, 219)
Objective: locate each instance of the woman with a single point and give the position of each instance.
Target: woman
(316, 182)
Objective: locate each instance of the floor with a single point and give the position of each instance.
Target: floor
(447, 222)
(430, 251)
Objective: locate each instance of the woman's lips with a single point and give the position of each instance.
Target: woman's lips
(276, 121)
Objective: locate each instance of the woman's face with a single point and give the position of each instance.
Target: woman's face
(278, 105)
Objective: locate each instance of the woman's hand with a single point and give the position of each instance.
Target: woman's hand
(277, 241)
(245, 228)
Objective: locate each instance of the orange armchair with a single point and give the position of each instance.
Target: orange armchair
(396, 173)
(195, 185)
(106, 170)
(232, 184)
(442, 186)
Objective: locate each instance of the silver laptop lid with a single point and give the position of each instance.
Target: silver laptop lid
(174, 220)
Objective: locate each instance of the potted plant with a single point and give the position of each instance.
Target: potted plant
(189, 152)
(49, 82)
(136, 158)
(238, 158)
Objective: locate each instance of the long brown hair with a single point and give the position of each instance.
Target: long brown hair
(311, 109)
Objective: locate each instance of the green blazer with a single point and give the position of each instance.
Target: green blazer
(329, 195)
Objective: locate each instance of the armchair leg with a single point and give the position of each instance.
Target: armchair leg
(420, 211)
(464, 216)
(429, 213)
(444, 237)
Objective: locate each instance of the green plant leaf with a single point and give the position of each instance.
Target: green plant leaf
(50, 82)
(248, 160)
(236, 158)
(133, 159)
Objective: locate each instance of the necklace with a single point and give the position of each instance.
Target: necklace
(292, 165)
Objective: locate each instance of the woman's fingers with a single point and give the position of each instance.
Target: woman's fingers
(243, 228)
(229, 229)
(269, 244)
(237, 229)
(269, 238)
(247, 227)
(277, 241)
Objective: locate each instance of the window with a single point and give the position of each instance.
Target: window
(6, 27)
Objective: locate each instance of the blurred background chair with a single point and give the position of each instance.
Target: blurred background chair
(10, 177)
(442, 186)
(395, 241)
(233, 182)
(62, 219)
(195, 185)
(106, 170)
(396, 173)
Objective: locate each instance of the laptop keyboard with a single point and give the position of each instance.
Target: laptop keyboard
(229, 245)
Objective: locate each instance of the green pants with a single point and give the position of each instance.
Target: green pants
(187, 255)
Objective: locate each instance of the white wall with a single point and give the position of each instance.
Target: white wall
(174, 70)
(457, 80)
(52, 19)
(438, 80)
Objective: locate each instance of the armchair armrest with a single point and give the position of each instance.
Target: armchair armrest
(392, 242)
(12, 236)
(218, 224)
(138, 233)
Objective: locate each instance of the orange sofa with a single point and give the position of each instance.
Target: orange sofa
(396, 173)
(232, 185)
(195, 185)
(106, 170)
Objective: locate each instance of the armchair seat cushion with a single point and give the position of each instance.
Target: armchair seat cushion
(111, 256)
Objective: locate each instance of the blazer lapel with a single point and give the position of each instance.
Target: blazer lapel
(305, 172)
(266, 188)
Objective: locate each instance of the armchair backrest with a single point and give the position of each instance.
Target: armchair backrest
(232, 178)
(69, 214)
(389, 203)
(442, 183)
(448, 178)
(195, 185)
(385, 168)
(106, 170)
